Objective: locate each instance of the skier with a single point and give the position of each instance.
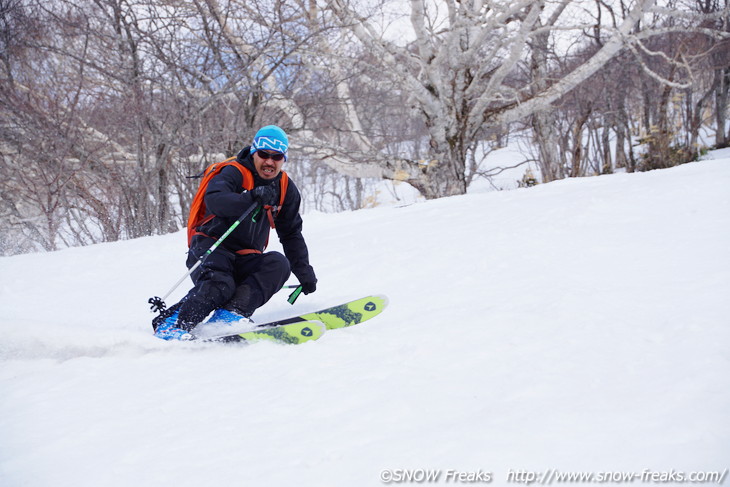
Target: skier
(237, 277)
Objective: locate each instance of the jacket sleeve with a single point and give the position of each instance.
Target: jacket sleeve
(223, 196)
(289, 230)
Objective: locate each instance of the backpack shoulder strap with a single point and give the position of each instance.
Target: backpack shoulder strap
(247, 177)
(284, 182)
(197, 206)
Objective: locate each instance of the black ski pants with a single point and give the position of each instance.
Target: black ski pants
(241, 283)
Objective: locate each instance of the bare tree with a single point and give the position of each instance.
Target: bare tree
(461, 75)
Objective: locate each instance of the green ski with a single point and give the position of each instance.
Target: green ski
(311, 326)
(290, 334)
(341, 316)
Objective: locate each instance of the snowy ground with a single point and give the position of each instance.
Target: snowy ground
(581, 325)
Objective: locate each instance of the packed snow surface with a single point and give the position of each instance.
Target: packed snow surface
(578, 325)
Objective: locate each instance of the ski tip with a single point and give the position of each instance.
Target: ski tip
(385, 299)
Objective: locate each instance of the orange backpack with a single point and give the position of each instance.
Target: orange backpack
(197, 217)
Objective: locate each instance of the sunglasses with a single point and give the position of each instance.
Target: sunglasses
(265, 155)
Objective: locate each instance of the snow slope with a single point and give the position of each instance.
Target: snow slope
(577, 325)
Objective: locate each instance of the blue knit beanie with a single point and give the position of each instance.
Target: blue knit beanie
(271, 137)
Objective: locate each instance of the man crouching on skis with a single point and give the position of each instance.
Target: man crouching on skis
(238, 277)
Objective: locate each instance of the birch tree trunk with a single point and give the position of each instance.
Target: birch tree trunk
(722, 90)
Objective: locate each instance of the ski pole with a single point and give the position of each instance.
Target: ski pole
(158, 304)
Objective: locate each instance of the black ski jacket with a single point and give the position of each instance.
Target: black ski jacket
(226, 199)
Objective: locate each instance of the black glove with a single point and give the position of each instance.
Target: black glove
(308, 286)
(265, 195)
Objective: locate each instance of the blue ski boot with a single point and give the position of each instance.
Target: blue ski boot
(167, 328)
(221, 315)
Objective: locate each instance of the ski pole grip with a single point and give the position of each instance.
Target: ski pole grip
(295, 294)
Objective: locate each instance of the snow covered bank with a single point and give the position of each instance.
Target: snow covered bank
(578, 325)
